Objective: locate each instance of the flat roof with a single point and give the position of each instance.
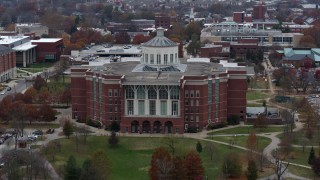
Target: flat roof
(24, 47)
(11, 39)
(47, 40)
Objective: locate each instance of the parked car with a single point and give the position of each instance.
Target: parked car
(38, 133)
(50, 131)
(8, 88)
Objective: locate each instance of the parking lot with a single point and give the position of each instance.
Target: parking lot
(314, 100)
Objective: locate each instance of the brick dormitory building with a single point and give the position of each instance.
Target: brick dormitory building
(159, 94)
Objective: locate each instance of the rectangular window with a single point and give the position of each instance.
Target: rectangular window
(151, 59)
(141, 93)
(110, 101)
(110, 118)
(129, 92)
(152, 93)
(115, 102)
(174, 93)
(197, 93)
(158, 59)
(186, 102)
(115, 92)
(171, 58)
(197, 118)
(165, 59)
(141, 107)
(115, 118)
(152, 107)
(130, 107)
(197, 109)
(197, 102)
(176, 57)
(174, 108)
(191, 102)
(146, 58)
(163, 108)
(110, 109)
(186, 110)
(191, 118)
(115, 109)
(192, 94)
(110, 92)
(186, 118)
(186, 93)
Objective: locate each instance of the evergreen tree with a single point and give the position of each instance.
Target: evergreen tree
(312, 156)
(252, 170)
(67, 129)
(113, 140)
(88, 172)
(72, 172)
(199, 147)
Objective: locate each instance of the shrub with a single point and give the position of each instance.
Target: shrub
(93, 123)
(233, 120)
(192, 129)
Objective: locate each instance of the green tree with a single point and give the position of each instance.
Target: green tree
(72, 172)
(312, 156)
(252, 170)
(88, 171)
(194, 46)
(114, 126)
(67, 129)
(113, 139)
(191, 29)
(232, 166)
(199, 147)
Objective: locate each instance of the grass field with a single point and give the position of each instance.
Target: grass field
(296, 155)
(262, 142)
(247, 130)
(255, 95)
(299, 138)
(39, 67)
(131, 160)
(303, 172)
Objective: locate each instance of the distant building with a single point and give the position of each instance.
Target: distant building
(36, 28)
(163, 21)
(25, 51)
(302, 56)
(160, 94)
(48, 49)
(260, 11)
(7, 63)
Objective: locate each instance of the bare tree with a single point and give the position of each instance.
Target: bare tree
(210, 148)
(280, 167)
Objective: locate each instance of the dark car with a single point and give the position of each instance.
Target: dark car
(38, 132)
(8, 88)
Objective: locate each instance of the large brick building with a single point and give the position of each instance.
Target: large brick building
(158, 94)
(7, 63)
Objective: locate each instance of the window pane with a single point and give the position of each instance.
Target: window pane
(152, 93)
(141, 93)
(163, 107)
(152, 107)
(174, 108)
(163, 94)
(141, 107)
(130, 107)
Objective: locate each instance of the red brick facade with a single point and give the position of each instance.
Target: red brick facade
(202, 100)
(48, 50)
(7, 65)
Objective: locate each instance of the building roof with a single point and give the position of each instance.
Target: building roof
(11, 39)
(298, 54)
(4, 50)
(160, 40)
(47, 40)
(24, 47)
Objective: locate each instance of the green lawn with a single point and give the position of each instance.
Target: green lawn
(262, 142)
(131, 160)
(39, 67)
(255, 95)
(247, 130)
(300, 137)
(58, 85)
(296, 155)
(303, 172)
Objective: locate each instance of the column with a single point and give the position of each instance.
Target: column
(24, 59)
